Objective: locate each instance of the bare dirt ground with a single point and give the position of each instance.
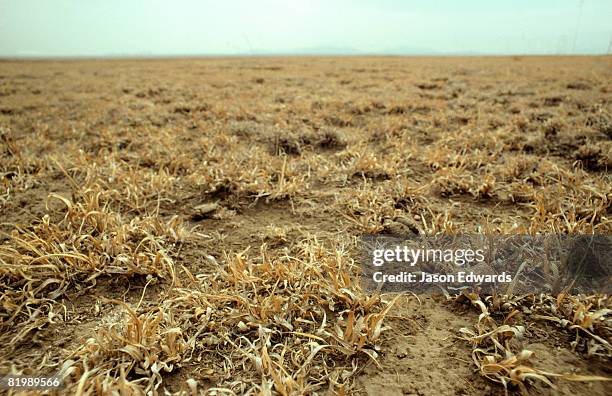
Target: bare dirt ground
(191, 225)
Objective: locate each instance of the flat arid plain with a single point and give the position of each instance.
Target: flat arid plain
(192, 225)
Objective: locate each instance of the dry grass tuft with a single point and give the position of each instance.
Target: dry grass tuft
(498, 348)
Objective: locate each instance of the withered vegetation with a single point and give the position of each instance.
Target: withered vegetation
(190, 226)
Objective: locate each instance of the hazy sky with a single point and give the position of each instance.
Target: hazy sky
(200, 27)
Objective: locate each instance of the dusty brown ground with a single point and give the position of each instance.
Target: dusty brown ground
(296, 157)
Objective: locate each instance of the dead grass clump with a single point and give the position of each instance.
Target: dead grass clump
(578, 85)
(266, 176)
(591, 157)
(11, 149)
(246, 129)
(498, 350)
(283, 142)
(327, 139)
(552, 128)
(557, 214)
(449, 182)
(465, 150)
(129, 356)
(601, 123)
(365, 164)
(516, 192)
(289, 145)
(297, 323)
(360, 109)
(294, 143)
(124, 186)
(520, 167)
(40, 264)
(340, 121)
(553, 101)
(19, 166)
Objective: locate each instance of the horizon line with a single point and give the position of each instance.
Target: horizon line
(288, 55)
